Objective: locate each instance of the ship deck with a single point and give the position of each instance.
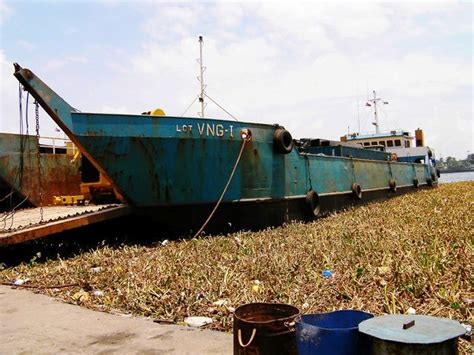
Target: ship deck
(24, 225)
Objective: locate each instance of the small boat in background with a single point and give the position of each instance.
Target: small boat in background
(177, 170)
(398, 143)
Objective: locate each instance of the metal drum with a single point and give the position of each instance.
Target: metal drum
(265, 328)
(331, 333)
(412, 334)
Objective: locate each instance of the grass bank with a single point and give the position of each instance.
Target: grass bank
(413, 251)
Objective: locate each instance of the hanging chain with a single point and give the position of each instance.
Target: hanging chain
(38, 157)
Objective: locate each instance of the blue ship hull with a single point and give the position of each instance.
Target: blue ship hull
(174, 169)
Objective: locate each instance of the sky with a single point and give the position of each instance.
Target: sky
(309, 66)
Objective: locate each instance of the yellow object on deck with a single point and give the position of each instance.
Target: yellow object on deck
(69, 200)
(157, 112)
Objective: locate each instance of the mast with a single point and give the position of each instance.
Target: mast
(376, 118)
(201, 79)
(376, 122)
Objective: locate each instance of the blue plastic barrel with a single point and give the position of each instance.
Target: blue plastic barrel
(331, 333)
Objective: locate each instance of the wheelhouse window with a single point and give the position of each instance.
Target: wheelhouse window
(407, 144)
(382, 143)
(366, 144)
(374, 143)
(389, 143)
(398, 143)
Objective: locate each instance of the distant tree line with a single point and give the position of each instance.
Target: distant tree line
(453, 165)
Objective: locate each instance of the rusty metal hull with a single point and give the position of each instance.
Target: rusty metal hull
(156, 164)
(19, 169)
(177, 167)
(250, 215)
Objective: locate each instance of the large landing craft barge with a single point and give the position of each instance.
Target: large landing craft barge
(175, 170)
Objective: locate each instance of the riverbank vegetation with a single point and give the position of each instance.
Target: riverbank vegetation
(412, 251)
(453, 165)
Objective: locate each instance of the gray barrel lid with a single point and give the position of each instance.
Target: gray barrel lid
(400, 328)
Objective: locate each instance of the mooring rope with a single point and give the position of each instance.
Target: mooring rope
(244, 141)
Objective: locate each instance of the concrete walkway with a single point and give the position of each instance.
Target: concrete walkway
(31, 323)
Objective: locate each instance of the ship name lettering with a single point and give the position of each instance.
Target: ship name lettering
(210, 130)
(185, 128)
(214, 130)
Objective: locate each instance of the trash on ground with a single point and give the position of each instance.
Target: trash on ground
(197, 321)
(327, 273)
(19, 282)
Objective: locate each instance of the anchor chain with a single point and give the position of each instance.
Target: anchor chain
(38, 157)
(9, 215)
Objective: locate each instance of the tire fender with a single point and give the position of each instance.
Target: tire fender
(356, 191)
(282, 140)
(392, 183)
(416, 182)
(312, 200)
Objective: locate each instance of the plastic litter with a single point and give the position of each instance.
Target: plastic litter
(327, 273)
(19, 282)
(219, 303)
(256, 286)
(468, 328)
(197, 321)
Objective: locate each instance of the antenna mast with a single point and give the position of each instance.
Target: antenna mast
(358, 115)
(201, 79)
(374, 102)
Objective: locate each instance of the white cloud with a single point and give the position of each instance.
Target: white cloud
(8, 96)
(70, 30)
(60, 63)
(25, 45)
(302, 65)
(5, 12)
(9, 104)
(358, 20)
(297, 23)
(165, 21)
(228, 15)
(54, 64)
(78, 59)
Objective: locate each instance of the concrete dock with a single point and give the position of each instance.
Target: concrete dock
(36, 324)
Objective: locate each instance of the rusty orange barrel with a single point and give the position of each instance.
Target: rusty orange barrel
(265, 328)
